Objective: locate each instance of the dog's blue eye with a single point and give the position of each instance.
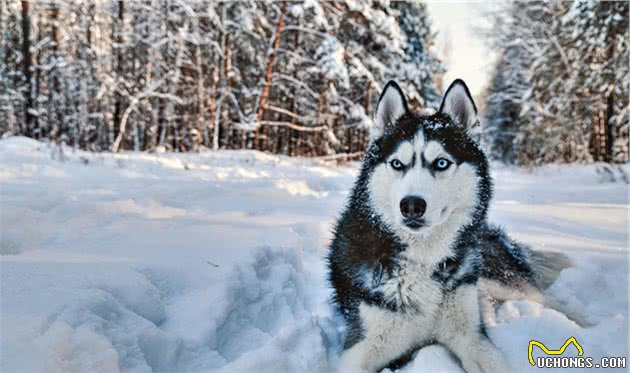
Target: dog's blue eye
(442, 164)
(397, 165)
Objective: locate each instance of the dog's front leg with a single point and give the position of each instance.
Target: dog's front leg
(387, 336)
(461, 330)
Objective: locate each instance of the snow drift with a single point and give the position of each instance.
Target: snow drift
(214, 261)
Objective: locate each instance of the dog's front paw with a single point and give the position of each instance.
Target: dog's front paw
(489, 359)
(353, 360)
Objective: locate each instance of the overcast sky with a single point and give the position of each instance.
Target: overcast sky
(468, 59)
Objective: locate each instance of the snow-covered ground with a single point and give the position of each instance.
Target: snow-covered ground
(213, 261)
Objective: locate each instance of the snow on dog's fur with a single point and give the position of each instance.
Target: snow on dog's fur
(413, 243)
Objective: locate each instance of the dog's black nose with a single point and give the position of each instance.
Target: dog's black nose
(413, 207)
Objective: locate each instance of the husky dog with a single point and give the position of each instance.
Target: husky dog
(413, 259)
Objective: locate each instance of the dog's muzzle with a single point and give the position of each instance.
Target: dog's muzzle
(412, 209)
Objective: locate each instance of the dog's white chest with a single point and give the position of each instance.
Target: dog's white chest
(417, 299)
(411, 289)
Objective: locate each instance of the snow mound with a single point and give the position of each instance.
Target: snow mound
(268, 323)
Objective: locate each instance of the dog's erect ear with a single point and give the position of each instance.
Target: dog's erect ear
(459, 105)
(391, 106)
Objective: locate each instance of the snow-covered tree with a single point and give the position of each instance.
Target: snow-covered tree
(12, 88)
(418, 68)
(569, 79)
(298, 78)
(509, 82)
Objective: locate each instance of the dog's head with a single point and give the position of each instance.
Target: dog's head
(426, 172)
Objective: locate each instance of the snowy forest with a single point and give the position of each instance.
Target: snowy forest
(301, 78)
(174, 173)
(560, 87)
(295, 78)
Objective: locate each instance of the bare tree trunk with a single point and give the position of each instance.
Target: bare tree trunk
(610, 100)
(37, 72)
(84, 100)
(153, 108)
(26, 67)
(169, 111)
(270, 61)
(213, 107)
(287, 132)
(610, 133)
(56, 111)
(201, 91)
(225, 78)
(271, 58)
(117, 36)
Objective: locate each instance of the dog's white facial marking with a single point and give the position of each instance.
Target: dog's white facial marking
(433, 150)
(450, 194)
(405, 153)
